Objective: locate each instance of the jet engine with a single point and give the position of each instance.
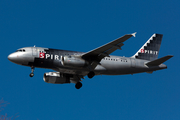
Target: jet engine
(73, 61)
(56, 78)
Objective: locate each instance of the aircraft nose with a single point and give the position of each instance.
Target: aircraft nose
(11, 57)
(15, 58)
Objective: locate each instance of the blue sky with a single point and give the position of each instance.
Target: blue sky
(82, 26)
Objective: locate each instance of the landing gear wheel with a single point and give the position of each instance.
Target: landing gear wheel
(78, 85)
(32, 71)
(31, 74)
(91, 74)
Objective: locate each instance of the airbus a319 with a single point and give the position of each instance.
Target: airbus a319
(72, 66)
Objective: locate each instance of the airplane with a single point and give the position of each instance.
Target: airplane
(72, 66)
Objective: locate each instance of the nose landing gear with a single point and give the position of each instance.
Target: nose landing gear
(31, 74)
(32, 71)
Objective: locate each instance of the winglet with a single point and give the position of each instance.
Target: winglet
(134, 34)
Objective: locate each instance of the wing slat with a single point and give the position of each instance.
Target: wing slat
(95, 56)
(108, 48)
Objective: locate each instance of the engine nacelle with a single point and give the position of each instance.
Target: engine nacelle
(73, 61)
(56, 78)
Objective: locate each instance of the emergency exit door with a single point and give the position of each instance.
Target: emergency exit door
(34, 51)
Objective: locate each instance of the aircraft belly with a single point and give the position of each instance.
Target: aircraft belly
(73, 71)
(116, 67)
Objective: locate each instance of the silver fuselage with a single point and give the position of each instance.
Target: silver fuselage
(51, 59)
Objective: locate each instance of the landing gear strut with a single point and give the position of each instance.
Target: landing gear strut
(32, 72)
(78, 85)
(91, 74)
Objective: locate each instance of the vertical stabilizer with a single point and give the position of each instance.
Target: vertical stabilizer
(150, 50)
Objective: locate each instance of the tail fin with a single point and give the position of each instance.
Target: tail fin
(150, 50)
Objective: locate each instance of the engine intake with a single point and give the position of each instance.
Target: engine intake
(56, 78)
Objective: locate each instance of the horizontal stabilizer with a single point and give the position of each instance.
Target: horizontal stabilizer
(150, 72)
(159, 61)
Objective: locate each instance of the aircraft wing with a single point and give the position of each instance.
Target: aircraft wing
(95, 56)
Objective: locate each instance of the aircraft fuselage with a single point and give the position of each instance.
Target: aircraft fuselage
(52, 59)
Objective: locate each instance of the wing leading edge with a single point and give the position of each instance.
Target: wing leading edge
(95, 56)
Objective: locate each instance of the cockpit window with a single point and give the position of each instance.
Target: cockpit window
(20, 50)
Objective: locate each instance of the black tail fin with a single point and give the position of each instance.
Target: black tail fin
(150, 50)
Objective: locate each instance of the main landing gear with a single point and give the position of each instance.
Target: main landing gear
(91, 74)
(32, 71)
(78, 85)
